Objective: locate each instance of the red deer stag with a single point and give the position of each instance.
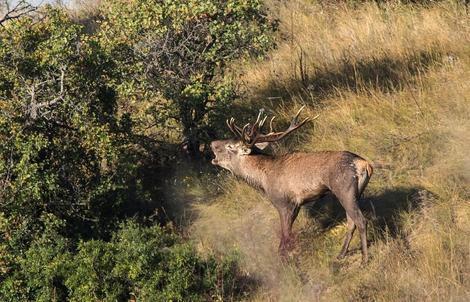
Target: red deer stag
(295, 179)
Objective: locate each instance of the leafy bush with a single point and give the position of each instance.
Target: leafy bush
(73, 165)
(178, 50)
(150, 263)
(64, 155)
(64, 151)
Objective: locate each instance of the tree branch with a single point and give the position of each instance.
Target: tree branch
(35, 107)
(22, 8)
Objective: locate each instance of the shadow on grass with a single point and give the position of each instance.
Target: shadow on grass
(383, 74)
(382, 210)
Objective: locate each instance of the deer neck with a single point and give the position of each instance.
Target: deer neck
(254, 170)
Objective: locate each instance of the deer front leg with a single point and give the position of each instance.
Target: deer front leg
(287, 214)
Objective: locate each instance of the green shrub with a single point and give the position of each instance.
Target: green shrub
(63, 151)
(151, 263)
(178, 50)
(73, 165)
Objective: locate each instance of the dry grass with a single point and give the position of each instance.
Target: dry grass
(391, 84)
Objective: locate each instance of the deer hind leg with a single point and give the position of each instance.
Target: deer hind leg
(287, 215)
(349, 201)
(356, 215)
(349, 235)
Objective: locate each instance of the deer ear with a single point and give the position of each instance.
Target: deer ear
(262, 146)
(231, 148)
(245, 150)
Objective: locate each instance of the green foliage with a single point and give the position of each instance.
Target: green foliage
(73, 165)
(37, 273)
(152, 263)
(179, 50)
(64, 149)
(65, 155)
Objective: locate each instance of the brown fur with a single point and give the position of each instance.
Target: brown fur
(294, 179)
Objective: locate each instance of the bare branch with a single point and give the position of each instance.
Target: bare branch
(35, 91)
(22, 8)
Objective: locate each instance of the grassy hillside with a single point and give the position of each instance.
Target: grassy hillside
(97, 201)
(391, 83)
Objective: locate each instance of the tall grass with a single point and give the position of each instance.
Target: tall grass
(391, 83)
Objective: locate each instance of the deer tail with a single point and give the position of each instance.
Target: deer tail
(369, 169)
(364, 176)
(380, 165)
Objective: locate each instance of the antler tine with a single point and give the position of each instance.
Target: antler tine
(271, 124)
(246, 137)
(275, 136)
(258, 124)
(261, 124)
(298, 125)
(298, 113)
(233, 127)
(295, 124)
(228, 125)
(258, 117)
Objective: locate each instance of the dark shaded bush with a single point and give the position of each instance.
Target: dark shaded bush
(74, 162)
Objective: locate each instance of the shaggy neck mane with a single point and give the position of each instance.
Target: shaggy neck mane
(253, 170)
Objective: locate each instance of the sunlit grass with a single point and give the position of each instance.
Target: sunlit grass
(390, 83)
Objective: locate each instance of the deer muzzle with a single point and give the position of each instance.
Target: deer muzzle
(214, 161)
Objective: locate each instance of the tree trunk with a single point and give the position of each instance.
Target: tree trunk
(192, 113)
(191, 147)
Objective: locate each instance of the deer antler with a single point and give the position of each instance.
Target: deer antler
(250, 133)
(234, 128)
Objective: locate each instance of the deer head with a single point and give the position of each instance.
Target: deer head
(250, 139)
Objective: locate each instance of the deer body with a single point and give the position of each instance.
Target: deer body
(289, 181)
